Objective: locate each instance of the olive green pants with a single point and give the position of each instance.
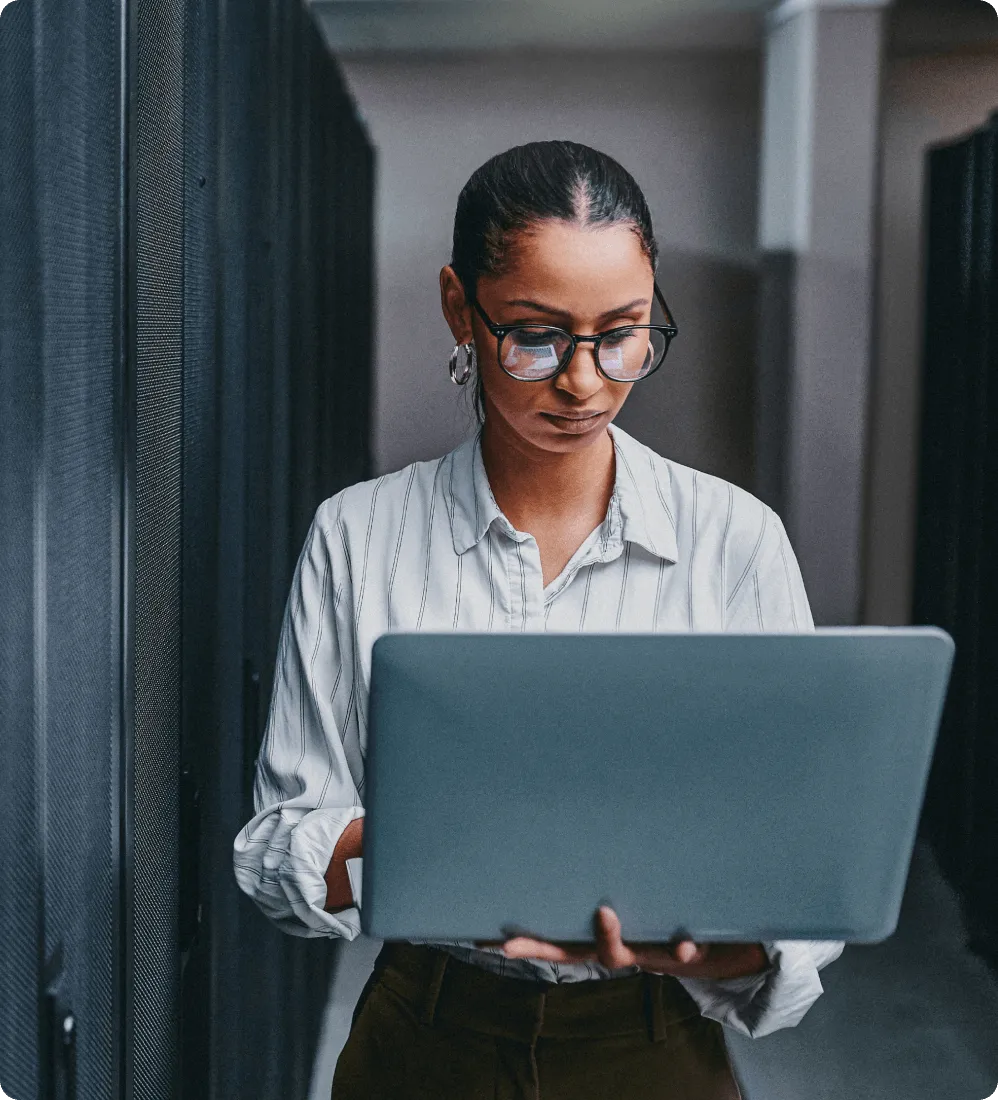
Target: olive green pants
(429, 1027)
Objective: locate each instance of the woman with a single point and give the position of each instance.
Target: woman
(550, 519)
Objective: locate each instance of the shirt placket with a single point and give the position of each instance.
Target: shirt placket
(605, 545)
(526, 582)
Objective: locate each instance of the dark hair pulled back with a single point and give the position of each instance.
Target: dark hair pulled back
(530, 183)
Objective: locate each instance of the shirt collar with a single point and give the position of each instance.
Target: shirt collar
(644, 495)
(642, 498)
(471, 505)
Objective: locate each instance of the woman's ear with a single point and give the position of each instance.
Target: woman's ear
(456, 307)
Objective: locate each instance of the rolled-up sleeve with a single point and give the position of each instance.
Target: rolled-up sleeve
(779, 997)
(769, 596)
(305, 791)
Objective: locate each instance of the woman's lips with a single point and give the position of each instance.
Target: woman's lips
(574, 423)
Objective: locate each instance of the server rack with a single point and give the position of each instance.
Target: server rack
(60, 564)
(185, 225)
(957, 543)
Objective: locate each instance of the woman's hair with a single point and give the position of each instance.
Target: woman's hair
(531, 183)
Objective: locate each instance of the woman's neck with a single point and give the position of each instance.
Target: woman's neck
(538, 489)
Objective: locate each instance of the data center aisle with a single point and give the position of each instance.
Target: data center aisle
(355, 963)
(915, 1018)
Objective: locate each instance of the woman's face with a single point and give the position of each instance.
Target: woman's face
(581, 280)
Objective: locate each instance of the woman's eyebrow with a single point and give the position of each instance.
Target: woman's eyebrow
(626, 309)
(529, 303)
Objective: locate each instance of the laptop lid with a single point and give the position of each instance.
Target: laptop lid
(717, 786)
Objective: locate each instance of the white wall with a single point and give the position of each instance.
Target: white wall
(927, 100)
(685, 126)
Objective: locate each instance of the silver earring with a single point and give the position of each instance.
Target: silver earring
(461, 375)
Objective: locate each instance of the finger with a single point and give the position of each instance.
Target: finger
(686, 951)
(525, 947)
(522, 947)
(612, 950)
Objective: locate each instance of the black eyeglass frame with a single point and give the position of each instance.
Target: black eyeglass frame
(500, 332)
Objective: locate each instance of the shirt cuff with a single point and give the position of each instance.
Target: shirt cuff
(778, 997)
(303, 872)
(355, 868)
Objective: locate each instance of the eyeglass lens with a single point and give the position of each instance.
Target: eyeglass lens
(534, 353)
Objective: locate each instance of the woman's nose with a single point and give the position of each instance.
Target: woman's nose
(581, 378)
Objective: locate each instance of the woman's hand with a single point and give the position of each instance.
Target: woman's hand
(683, 959)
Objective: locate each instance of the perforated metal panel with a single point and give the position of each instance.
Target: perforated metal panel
(77, 192)
(59, 342)
(201, 1016)
(252, 159)
(20, 409)
(158, 243)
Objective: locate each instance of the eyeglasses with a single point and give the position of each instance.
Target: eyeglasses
(534, 353)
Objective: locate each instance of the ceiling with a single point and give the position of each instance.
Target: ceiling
(434, 26)
(352, 26)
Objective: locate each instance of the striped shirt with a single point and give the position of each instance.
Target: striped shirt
(427, 548)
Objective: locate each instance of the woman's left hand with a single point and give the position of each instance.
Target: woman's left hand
(683, 959)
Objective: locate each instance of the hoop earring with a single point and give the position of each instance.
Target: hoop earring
(460, 376)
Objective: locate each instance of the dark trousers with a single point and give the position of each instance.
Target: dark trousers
(429, 1027)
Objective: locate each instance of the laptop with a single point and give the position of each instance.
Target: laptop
(720, 787)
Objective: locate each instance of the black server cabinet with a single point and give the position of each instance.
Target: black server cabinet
(61, 579)
(20, 425)
(956, 585)
(185, 235)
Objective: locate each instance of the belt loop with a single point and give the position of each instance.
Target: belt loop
(433, 991)
(654, 1008)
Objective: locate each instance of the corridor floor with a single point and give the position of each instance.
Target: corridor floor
(914, 1018)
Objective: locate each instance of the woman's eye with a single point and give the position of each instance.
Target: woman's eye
(619, 338)
(536, 338)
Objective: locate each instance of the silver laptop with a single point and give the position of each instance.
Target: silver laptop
(718, 786)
